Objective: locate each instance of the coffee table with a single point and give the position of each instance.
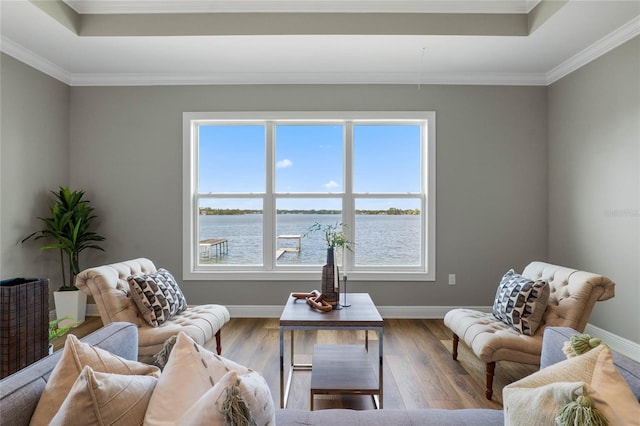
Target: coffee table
(339, 369)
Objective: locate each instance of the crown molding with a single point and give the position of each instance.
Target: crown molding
(309, 6)
(306, 78)
(531, 4)
(25, 55)
(609, 42)
(604, 45)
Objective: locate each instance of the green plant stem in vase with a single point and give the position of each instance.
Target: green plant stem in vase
(335, 237)
(333, 234)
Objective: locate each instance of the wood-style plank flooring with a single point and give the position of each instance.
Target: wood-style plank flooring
(418, 369)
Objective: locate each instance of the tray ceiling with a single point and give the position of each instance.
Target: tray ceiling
(113, 42)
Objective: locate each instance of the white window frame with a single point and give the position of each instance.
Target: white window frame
(193, 271)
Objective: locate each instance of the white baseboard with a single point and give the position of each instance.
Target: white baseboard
(617, 343)
(253, 311)
(92, 310)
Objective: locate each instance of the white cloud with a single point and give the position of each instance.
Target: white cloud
(282, 164)
(331, 184)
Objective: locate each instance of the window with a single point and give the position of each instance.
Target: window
(255, 182)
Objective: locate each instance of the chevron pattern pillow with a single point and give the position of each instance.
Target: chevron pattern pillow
(157, 296)
(176, 293)
(521, 302)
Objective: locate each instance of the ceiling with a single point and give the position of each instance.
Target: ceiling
(155, 42)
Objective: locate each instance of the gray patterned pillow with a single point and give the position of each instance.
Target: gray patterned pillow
(149, 299)
(176, 293)
(155, 297)
(521, 302)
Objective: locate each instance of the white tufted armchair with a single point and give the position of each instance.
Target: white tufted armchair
(109, 287)
(572, 296)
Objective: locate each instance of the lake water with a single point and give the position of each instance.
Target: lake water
(381, 239)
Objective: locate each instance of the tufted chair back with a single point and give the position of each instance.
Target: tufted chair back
(109, 287)
(573, 293)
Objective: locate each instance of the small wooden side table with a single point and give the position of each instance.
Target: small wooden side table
(331, 362)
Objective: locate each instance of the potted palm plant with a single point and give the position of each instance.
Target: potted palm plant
(68, 227)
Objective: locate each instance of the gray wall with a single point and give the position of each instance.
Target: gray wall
(507, 192)
(594, 163)
(495, 208)
(34, 158)
(126, 150)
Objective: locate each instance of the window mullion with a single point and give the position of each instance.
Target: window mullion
(269, 204)
(194, 190)
(348, 202)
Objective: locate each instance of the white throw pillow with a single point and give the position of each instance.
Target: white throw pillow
(236, 397)
(538, 398)
(105, 399)
(190, 372)
(75, 356)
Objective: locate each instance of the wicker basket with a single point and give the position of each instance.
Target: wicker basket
(24, 323)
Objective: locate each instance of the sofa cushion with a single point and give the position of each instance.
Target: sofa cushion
(520, 302)
(195, 371)
(491, 339)
(541, 395)
(106, 398)
(199, 322)
(75, 356)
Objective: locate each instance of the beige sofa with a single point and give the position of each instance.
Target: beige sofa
(109, 287)
(20, 392)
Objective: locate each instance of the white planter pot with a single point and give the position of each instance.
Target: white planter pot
(73, 303)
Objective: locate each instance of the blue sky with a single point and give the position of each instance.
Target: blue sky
(309, 158)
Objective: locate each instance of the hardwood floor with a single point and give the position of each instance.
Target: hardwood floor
(418, 369)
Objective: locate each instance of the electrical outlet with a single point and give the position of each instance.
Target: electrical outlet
(452, 279)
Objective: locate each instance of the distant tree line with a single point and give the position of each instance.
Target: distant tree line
(208, 211)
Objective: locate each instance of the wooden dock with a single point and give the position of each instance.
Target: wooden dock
(213, 247)
(282, 250)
